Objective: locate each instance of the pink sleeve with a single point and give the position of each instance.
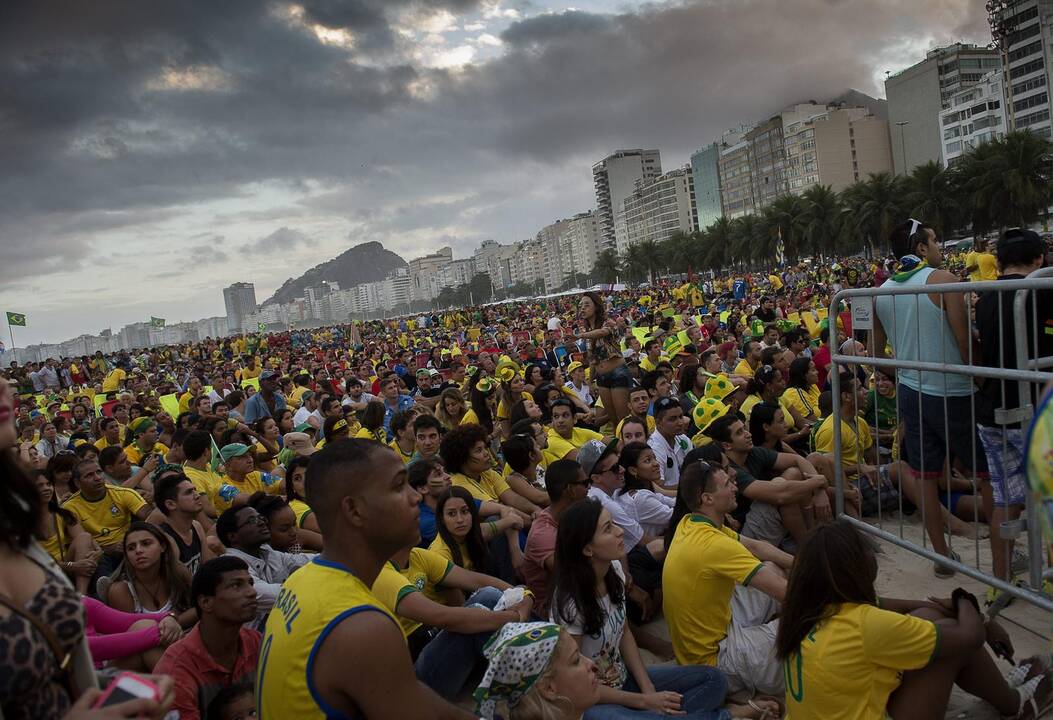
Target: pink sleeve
(105, 620)
(125, 644)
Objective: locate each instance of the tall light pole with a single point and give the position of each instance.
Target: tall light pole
(902, 142)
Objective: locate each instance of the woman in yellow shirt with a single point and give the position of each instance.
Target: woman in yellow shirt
(451, 408)
(372, 421)
(463, 539)
(64, 539)
(801, 398)
(509, 393)
(849, 655)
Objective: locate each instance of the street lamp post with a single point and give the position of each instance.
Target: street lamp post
(902, 142)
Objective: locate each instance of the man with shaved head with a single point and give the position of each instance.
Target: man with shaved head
(326, 613)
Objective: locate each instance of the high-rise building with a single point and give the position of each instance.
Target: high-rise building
(240, 301)
(975, 115)
(659, 208)
(736, 185)
(423, 271)
(916, 96)
(767, 160)
(584, 231)
(1023, 32)
(614, 178)
(705, 173)
(494, 259)
(835, 146)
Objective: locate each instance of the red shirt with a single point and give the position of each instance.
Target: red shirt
(540, 545)
(821, 358)
(198, 677)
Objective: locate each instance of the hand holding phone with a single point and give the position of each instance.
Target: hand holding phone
(127, 687)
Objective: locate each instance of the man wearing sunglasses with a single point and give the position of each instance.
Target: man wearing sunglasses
(669, 443)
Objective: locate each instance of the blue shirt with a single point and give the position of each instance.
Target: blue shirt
(401, 403)
(256, 407)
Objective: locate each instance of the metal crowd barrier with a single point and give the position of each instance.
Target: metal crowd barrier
(1031, 374)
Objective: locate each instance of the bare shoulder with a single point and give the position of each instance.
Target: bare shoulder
(941, 276)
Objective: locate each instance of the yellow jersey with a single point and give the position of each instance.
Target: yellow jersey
(806, 402)
(311, 602)
(752, 400)
(470, 417)
(207, 482)
(559, 446)
(439, 547)
(986, 266)
(255, 481)
(113, 380)
(57, 545)
(108, 518)
(855, 441)
(504, 412)
(424, 573)
(301, 510)
(701, 570)
(367, 434)
(488, 487)
(850, 662)
(743, 369)
(394, 445)
(135, 454)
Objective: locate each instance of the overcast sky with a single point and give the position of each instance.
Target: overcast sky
(154, 152)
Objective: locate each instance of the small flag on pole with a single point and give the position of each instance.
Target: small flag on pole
(261, 326)
(157, 322)
(18, 319)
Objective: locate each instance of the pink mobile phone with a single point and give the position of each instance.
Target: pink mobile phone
(127, 686)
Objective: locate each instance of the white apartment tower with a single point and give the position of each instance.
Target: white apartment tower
(240, 302)
(615, 178)
(1023, 30)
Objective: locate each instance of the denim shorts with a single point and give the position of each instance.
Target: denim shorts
(619, 377)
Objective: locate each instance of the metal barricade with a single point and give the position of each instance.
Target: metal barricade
(1029, 373)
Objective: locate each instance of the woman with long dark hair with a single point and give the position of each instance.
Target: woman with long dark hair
(848, 653)
(268, 443)
(460, 537)
(801, 396)
(640, 496)
(372, 421)
(150, 578)
(588, 600)
(605, 355)
(768, 427)
(60, 472)
(64, 539)
(483, 405)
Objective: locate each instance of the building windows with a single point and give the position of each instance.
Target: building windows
(1022, 17)
(1035, 82)
(952, 132)
(1026, 68)
(1029, 49)
(1030, 102)
(951, 118)
(971, 77)
(994, 105)
(1032, 119)
(1023, 34)
(955, 146)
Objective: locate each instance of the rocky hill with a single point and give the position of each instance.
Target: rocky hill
(363, 263)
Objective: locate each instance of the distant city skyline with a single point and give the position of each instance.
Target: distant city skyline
(266, 138)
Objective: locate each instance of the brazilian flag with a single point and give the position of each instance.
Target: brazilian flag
(16, 319)
(157, 322)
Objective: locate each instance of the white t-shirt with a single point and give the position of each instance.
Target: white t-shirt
(602, 648)
(652, 510)
(670, 457)
(554, 323)
(302, 413)
(366, 397)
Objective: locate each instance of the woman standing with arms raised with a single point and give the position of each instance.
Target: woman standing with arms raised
(605, 355)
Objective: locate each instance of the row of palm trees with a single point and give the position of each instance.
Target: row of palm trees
(999, 184)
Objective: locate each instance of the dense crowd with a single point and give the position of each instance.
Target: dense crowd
(490, 506)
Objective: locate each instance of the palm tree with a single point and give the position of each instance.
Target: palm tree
(820, 220)
(633, 264)
(679, 252)
(748, 240)
(649, 254)
(874, 206)
(715, 251)
(783, 219)
(931, 197)
(1007, 181)
(606, 267)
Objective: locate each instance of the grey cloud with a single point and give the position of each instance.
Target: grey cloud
(546, 28)
(281, 239)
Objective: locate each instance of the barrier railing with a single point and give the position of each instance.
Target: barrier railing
(1029, 375)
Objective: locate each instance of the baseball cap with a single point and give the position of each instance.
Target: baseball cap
(592, 452)
(573, 366)
(664, 403)
(233, 450)
(268, 374)
(307, 395)
(423, 372)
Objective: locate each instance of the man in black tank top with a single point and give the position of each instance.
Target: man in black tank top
(180, 502)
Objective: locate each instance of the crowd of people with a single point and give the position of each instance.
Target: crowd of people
(491, 506)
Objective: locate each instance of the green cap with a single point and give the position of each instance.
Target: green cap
(232, 451)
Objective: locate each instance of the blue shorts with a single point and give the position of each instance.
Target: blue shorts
(1005, 458)
(940, 431)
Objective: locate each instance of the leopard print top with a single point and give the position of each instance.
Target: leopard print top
(31, 683)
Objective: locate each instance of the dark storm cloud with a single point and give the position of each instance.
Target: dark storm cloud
(88, 130)
(281, 239)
